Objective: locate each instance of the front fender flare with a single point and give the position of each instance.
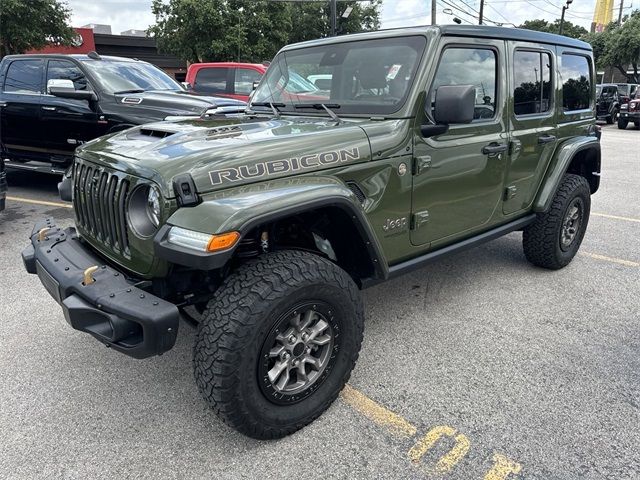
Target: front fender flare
(243, 208)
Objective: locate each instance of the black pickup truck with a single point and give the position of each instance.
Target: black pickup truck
(50, 104)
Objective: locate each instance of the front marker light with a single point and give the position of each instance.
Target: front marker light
(202, 242)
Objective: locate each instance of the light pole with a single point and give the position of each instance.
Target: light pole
(564, 9)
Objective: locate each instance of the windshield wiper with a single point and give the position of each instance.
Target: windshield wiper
(274, 107)
(133, 90)
(323, 106)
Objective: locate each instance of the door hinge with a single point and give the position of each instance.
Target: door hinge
(418, 219)
(421, 164)
(510, 192)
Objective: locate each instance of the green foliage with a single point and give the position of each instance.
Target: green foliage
(32, 24)
(568, 30)
(618, 45)
(253, 31)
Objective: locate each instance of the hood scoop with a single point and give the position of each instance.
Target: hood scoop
(149, 132)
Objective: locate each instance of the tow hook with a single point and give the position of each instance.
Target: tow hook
(88, 275)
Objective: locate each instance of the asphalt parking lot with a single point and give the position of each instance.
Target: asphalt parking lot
(480, 366)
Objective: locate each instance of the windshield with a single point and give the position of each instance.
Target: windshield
(117, 77)
(361, 77)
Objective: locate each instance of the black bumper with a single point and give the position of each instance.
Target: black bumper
(631, 116)
(111, 309)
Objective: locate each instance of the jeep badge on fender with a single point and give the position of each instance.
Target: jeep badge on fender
(265, 226)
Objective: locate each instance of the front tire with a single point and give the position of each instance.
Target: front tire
(555, 237)
(278, 343)
(622, 124)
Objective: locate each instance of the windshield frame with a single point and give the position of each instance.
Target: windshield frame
(363, 110)
(97, 76)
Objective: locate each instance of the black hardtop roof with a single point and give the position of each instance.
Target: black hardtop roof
(521, 34)
(473, 31)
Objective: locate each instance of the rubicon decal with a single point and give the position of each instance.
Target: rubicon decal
(277, 167)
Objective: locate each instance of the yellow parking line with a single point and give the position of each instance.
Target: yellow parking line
(451, 458)
(616, 217)
(502, 468)
(39, 202)
(620, 261)
(376, 412)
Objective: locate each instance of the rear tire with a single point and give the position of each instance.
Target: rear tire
(611, 119)
(555, 237)
(256, 364)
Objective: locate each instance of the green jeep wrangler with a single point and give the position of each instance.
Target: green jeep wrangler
(265, 226)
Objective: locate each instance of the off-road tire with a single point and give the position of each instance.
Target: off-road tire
(611, 119)
(637, 124)
(622, 123)
(542, 239)
(236, 323)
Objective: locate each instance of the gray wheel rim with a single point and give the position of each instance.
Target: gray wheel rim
(571, 224)
(301, 351)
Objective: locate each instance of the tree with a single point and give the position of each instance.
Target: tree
(33, 24)
(618, 46)
(568, 30)
(231, 30)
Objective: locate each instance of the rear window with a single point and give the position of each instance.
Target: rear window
(24, 76)
(211, 80)
(575, 72)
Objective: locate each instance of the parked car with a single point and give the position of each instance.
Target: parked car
(3, 185)
(607, 102)
(270, 225)
(626, 91)
(50, 104)
(230, 79)
(630, 112)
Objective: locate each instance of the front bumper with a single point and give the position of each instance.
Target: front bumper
(112, 309)
(631, 116)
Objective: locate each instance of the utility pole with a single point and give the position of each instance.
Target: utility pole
(481, 12)
(564, 9)
(620, 14)
(433, 12)
(334, 10)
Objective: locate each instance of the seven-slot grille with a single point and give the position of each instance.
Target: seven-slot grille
(100, 201)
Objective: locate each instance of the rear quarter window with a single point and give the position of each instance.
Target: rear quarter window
(211, 80)
(575, 73)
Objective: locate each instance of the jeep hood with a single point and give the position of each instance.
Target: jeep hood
(227, 152)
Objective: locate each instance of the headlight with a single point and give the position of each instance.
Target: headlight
(144, 210)
(203, 242)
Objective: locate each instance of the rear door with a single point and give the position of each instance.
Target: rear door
(459, 175)
(214, 81)
(533, 120)
(20, 129)
(67, 122)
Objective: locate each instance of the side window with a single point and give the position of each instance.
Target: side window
(63, 70)
(24, 76)
(211, 80)
(470, 66)
(532, 81)
(575, 72)
(244, 80)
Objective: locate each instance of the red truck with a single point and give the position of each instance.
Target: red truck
(234, 80)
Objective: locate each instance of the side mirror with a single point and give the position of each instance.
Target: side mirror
(186, 85)
(454, 104)
(255, 85)
(65, 89)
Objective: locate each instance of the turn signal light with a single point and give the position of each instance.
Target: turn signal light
(222, 241)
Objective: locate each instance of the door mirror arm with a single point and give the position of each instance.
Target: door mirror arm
(431, 130)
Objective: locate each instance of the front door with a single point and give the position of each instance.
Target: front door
(458, 176)
(67, 122)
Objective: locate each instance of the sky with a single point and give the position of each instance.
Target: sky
(136, 14)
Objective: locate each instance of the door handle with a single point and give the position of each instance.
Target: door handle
(546, 139)
(494, 148)
(49, 109)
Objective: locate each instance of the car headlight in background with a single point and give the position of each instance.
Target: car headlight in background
(203, 242)
(145, 210)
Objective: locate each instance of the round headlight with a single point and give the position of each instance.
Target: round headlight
(153, 206)
(144, 210)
